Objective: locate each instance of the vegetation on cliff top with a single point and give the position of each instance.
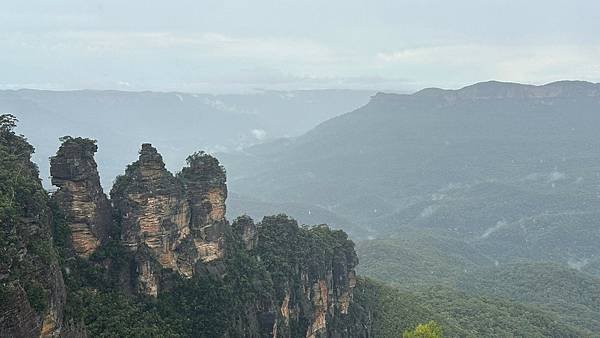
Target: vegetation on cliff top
(27, 256)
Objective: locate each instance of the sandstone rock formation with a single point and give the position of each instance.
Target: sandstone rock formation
(178, 221)
(80, 195)
(204, 181)
(274, 278)
(154, 216)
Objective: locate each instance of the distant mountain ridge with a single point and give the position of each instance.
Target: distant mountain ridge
(178, 123)
(511, 168)
(501, 90)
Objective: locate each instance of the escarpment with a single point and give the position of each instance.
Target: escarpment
(80, 195)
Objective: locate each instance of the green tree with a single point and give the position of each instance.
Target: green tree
(429, 330)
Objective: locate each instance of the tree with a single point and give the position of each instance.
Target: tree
(7, 122)
(429, 330)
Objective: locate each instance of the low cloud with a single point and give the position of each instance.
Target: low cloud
(259, 134)
(491, 230)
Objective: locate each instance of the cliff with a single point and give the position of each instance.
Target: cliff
(88, 211)
(178, 221)
(313, 277)
(285, 280)
(204, 181)
(32, 290)
(159, 258)
(154, 218)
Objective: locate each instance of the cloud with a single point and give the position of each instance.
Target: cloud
(259, 134)
(540, 63)
(217, 61)
(429, 211)
(499, 225)
(208, 43)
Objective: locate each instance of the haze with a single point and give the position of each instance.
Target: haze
(288, 169)
(233, 46)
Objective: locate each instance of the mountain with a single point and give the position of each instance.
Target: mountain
(510, 168)
(120, 120)
(159, 258)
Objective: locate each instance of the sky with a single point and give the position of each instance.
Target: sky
(238, 46)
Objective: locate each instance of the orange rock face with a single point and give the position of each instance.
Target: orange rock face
(80, 195)
(179, 221)
(216, 198)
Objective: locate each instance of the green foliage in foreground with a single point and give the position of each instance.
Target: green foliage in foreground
(429, 330)
(393, 311)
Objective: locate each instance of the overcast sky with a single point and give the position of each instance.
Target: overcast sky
(221, 45)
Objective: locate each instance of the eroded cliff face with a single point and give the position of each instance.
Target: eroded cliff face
(154, 217)
(80, 195)
(313, 271)
(160, 236)
(287, 280)
(204, 181)
(169, 222)
(178, 223)
(32, 290)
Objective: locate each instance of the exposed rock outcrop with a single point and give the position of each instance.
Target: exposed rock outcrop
(204, 181)
(274, 278)
(154, 217)
(179, 221)
(80, 195)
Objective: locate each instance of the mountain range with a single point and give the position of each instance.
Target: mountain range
(178, 123)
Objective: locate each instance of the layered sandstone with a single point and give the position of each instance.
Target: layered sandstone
(154, 216)
(80, 195)
(204, 181)
(178, 221)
